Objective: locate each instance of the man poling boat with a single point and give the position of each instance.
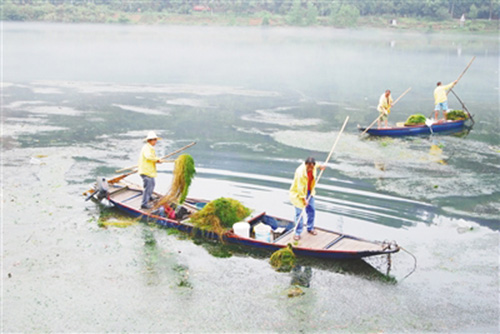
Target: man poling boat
(388, 105)
(384, 107)
(147, 168)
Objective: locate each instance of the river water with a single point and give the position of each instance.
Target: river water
(77, 100)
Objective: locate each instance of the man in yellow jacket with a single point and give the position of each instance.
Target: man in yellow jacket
(301, 190)
(441, 98)
(147, 168)
(384, 107)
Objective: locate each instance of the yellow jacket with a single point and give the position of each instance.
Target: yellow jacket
(298, 190)
(440, 93)
(383, 104)
(148, 160)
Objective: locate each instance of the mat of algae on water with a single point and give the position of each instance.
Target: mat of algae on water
(82, 115)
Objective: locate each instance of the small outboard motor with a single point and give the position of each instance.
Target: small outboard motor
(102, 189)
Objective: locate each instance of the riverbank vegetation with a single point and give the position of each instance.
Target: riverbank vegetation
(461, 15)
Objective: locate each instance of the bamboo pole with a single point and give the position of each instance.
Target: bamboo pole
(162, 158)
(321, 172)
(462, 74)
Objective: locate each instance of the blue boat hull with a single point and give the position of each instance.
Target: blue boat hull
(443, 127)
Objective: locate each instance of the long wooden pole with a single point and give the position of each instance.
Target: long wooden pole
(393, 104)
(321, 172)
(164, 157)
(462, 74)
(463, 105)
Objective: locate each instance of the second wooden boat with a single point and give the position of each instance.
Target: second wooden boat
(440, 126)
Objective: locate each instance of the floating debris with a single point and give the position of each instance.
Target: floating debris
(295, 291)
(380, 165)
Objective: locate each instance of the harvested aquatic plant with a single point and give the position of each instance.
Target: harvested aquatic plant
(183, 174)
(415, 119)
(455, 115)
(220, 215)
(283, 259)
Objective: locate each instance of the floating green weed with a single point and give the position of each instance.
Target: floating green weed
(218, 250)
(183, 272)
(283, 259)
(110, 217)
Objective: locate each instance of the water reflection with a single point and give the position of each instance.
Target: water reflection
(301, 276)
(302, 273)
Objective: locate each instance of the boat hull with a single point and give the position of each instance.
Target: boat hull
(416, 130)
(232, 238)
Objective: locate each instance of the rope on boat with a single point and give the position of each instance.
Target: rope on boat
(391, 245)
(415, 265)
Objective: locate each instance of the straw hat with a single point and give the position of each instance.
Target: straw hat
(151, 135)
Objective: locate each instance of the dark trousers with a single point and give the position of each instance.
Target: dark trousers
(149, 186)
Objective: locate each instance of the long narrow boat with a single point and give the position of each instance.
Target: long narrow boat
(441, 126)
(126, 196)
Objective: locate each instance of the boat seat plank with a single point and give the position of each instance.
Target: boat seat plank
(124, 195)
(349, 244)
(135, 203)
(116, 189)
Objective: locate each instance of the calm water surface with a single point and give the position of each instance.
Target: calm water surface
(77, 100)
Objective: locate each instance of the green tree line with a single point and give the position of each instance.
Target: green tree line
(296, 12)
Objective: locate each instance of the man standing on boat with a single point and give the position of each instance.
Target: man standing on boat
(302, 195)
(441, 98)
(147, 168)
(384, 107)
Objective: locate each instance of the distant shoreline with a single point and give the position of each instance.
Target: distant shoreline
(215, 19)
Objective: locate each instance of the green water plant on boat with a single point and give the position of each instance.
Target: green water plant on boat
(183, 174)
(456, 115)
(219, 215)
(283, 259)
(416, 119)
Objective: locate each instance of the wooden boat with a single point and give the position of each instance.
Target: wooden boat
(440, 126)
(126, 196)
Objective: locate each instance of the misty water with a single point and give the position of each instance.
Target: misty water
(77, 100)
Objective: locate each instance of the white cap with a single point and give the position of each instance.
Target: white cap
(151, 135)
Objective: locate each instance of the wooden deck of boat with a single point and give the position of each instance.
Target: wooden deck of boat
(131, 196)
(329, 240)
(128, 196)
(319, 241)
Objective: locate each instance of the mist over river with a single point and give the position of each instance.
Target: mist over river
(77, 100)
